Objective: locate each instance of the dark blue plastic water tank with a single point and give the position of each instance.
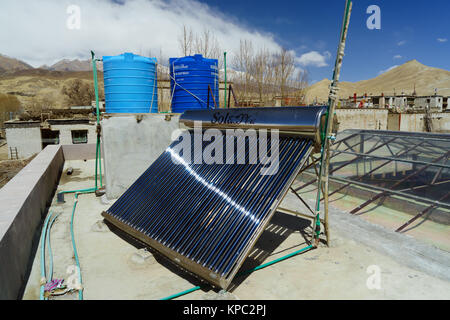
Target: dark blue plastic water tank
(130, 84)
(192, 76)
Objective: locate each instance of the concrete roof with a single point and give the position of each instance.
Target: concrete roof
(116, 267)
(21, 124)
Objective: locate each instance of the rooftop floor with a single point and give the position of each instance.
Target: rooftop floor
(114, 267)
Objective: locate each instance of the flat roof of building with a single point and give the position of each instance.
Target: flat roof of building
(115, 266)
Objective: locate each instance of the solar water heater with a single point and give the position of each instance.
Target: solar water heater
(206, 217)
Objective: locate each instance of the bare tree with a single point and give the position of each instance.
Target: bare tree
(242, 61)
(186, 41)
(79, 93)
(9, 104)
(284, 68)
(260, 71)
(298, 87)
(207, 45)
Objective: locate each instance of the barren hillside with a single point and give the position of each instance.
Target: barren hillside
(8, 64)
(72, 65)
(29, 84)
(401, 79)
(41, 85)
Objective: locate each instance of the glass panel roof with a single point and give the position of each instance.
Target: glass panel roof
(407, 163)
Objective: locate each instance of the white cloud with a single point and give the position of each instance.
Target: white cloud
(314, 58)
(398, 56)
(388, 69)
(401, 43)
(36, 32)
(442, 39)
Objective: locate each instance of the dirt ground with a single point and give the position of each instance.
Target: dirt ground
(3, 150)
(9, 168)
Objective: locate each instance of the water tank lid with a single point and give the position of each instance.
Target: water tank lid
(128, 56)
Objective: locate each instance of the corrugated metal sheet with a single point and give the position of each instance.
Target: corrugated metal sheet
(206, 218)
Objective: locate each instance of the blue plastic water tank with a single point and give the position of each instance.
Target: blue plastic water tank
(192, 76)
(130, 84)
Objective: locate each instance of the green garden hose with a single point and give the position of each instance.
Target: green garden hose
(50, 254)
(179, 294)
(43, 279)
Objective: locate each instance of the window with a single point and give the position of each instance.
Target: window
(79, 136)
(49, 137)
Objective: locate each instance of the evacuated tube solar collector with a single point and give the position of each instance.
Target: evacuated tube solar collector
(214, 214)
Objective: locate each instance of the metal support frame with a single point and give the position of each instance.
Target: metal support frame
(343, 165)
(428, 209)
(385, 193)
(375, 169)
(313, 215)
(391, 192)
(212, 95)
(231, 91)
(403, 142)
(362, 155)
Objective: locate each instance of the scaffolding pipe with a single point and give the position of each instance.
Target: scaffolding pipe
(225, 66)
(98, 157)
(325, 151)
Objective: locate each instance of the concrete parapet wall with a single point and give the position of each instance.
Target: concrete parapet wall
(381, 119)
(131, 142)
(414, 122)
(441, 122)
(79, 151)
(370, 119)
(23, 202)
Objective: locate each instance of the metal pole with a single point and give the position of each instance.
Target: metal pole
(428, 209)
(323, 177)
(225, 66)
(98, 161)
(207, 100)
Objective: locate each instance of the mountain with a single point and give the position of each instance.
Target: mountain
(8, 64)
(71, 65)
(399, 79)
(38, 86)
(28, 83)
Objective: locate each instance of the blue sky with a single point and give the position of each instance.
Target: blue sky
(43, 31)
(410, 29)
